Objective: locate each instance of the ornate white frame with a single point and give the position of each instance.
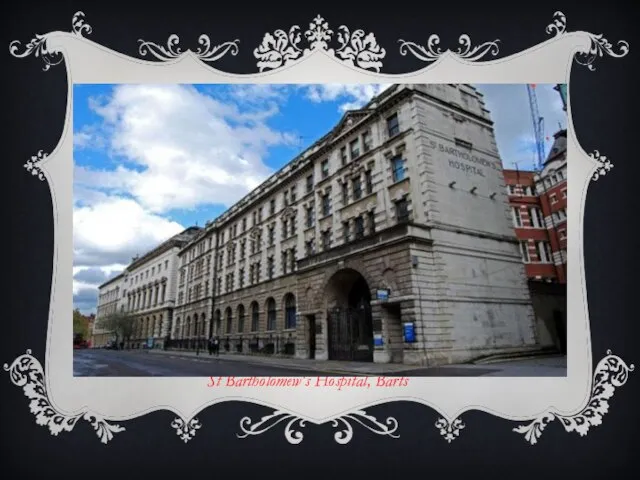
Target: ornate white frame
(282, 50)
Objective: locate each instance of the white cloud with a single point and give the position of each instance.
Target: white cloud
(352, 96)
(173, 135)
(114, 230)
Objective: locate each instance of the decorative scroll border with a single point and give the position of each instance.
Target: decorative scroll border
(278, 50)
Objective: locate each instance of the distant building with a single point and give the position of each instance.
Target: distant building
(146, 290)
(538, 202)
(109, 299)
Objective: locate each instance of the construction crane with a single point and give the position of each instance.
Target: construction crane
(538, 124)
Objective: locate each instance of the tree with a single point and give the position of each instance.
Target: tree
(80, 325)
(121, 324)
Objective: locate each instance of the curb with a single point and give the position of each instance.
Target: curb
(287, 367)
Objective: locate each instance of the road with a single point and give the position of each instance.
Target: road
(140, 363)
(111, 363)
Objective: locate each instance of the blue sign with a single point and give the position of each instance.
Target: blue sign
(409, 332)
(150, 342)
(377, 340)
(383, 294)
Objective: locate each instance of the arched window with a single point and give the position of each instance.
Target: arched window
(240, 318)
(255, 317)
(271, 314)
(188, 332)
(229, 319)
(218, 322)
(176, 332)
(289, 311)
(203, 322)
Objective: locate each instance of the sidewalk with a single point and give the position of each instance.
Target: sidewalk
(324, 366)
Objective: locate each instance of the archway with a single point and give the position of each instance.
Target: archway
(349, 321)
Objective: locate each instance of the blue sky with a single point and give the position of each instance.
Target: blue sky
(153, 159)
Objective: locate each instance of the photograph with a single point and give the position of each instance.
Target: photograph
(296, 230)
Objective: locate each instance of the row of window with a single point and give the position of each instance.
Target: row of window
(554, 199)
(553, 179)
(535, 217)
(144, 275)
(290, 195)
(522, 190)
(542, 250)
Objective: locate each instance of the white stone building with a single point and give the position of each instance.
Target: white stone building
(109, 301)
(388, 240)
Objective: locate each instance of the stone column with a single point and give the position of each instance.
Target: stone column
(322, 339)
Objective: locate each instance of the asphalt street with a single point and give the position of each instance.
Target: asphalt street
(141, 363)
(123, 363)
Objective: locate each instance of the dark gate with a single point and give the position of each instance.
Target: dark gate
(350, 334)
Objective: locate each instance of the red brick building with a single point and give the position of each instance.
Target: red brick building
(538, 202)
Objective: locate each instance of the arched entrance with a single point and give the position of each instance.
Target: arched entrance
(349, 322)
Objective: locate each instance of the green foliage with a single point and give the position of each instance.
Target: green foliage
(121, 324)
(80, 325)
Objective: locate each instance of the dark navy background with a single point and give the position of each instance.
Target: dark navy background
(603, 104)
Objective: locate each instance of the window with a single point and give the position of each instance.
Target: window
(272, 206)
(402, 211)
(560, 174)
(345, 231)
(290, 312)
(292, 259)
(326, 239)
(325, 168)
(309, 183)
(271, 314)
(153, 270)
(293, 194)
(255, 218)
(562, 234)
(241, 277)
(220, 286)
(257, 272)
(535, 218)
(511, 189)
(243, 248)
(517, 219)
(293, 226)
(240, 318)
(543, 252)
(310, 216)
(229, 320)
(284, 261)
(397, 167)
(260, 214)
(366, 141)
(272, 234)
(564, 193)
(393, 127)
(524, 251)
(244, 224)
(326, 204)
(343, 156)
(357, 187)
(345, 193)
(310, 247)
(255, 317)
(359, 224)
(372, 221)
(285, 228)
(354, 148)
(270, 267)
(553, 198)
(368, 181)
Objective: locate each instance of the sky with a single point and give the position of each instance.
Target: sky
(151, 160)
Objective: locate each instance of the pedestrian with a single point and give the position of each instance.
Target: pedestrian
(216, 346)
(121, 345)
(210, 345)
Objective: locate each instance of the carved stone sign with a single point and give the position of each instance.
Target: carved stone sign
(465, 161)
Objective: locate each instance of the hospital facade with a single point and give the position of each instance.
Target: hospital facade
(390, 239)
